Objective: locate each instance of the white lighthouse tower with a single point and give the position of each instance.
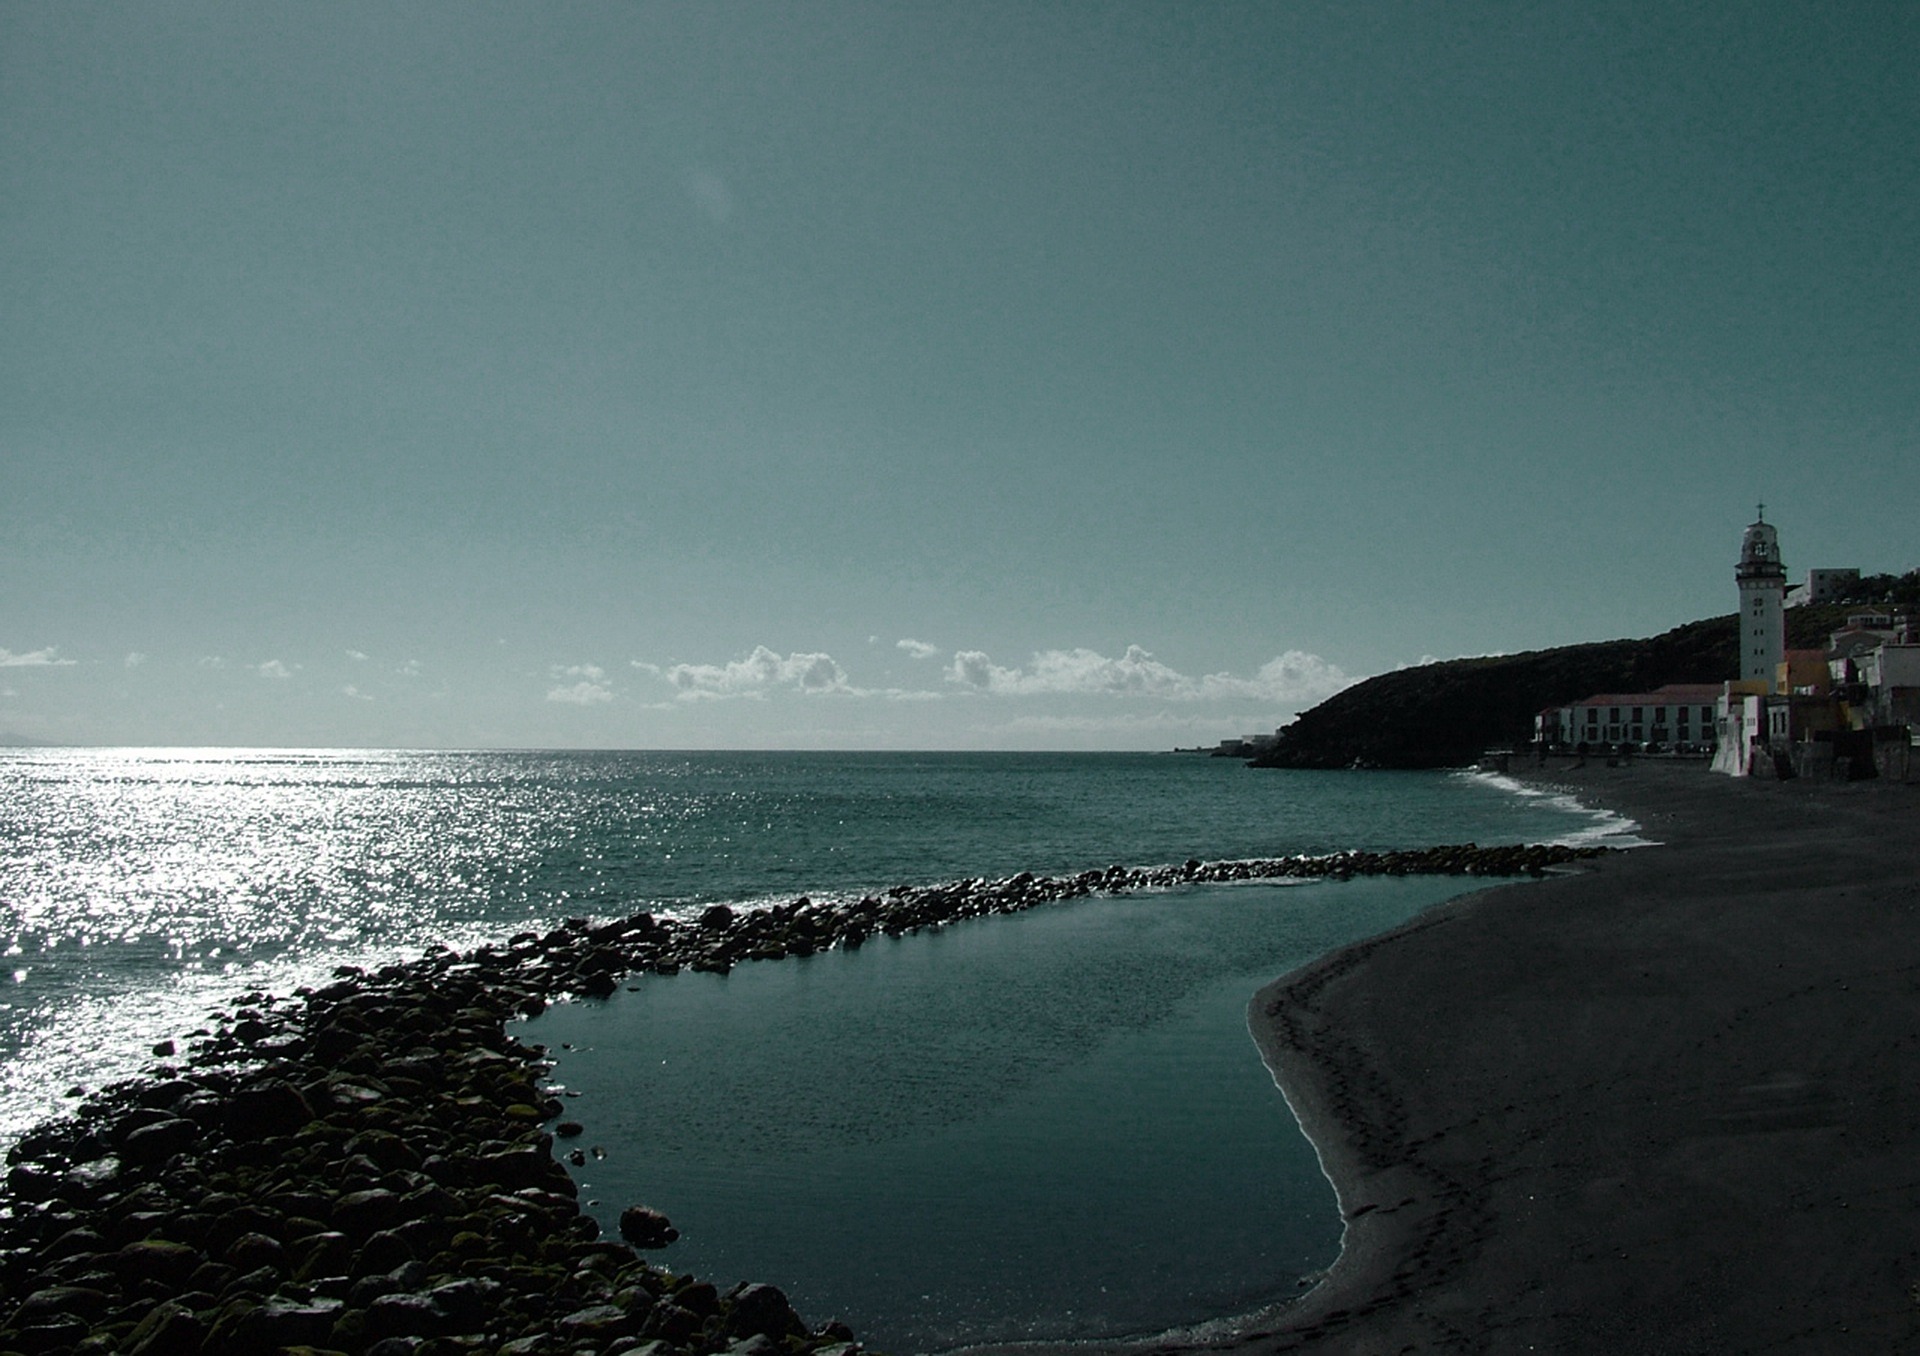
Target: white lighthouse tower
(1763, 588)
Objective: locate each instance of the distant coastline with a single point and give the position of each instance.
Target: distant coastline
(1445, 714)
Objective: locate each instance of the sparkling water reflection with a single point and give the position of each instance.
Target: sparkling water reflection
(141, 889)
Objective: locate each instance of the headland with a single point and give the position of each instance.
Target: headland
(1663, 1104)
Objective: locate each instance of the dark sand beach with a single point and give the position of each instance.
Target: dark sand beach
(1666, 1104)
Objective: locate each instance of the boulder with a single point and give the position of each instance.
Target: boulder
(645, 1227)
(266, 1110)
(755, 1309)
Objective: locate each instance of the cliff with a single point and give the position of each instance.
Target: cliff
(1445, 714)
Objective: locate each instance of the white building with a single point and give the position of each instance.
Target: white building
(1822, 586)
(1677, 716)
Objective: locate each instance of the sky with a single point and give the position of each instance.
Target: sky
(1027, 375)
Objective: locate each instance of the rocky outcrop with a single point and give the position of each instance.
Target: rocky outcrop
(368, 1167)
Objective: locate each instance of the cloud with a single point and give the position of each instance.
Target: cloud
(48, 658)
(135, 659)
(1293, 677)
(583, 693)
(351, 691)
(918, 649)
(357, 656)
(588, 688)
(761, 672)
(273, 668)
(212, 661)
(410, 669)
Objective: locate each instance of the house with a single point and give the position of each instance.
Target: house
(1822, 586)
(1678, 717)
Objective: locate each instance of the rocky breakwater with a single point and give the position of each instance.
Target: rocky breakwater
(368, 1167)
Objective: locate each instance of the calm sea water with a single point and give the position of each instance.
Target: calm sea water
(142, 889)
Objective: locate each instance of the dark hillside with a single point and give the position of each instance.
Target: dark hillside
(1443, 715)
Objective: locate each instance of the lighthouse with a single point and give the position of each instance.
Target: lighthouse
(1763, 587)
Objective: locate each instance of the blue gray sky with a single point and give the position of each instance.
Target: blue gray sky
(919, 375)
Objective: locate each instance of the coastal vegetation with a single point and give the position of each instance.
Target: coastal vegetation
(1445, 714)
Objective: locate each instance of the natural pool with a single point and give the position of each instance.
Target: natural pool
(1052, 1125)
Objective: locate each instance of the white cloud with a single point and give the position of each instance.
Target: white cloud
(584, 693)
(588, 688)
(919, 649)
(273, 668)
(135, 659)
(351, 691)
(1291, 677)
(49, 658)
(212, 661)
(1295, 676)
(652, 670)
(761, 672)
(410, 669)
(357, 656)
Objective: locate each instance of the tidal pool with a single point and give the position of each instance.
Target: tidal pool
(1052, 1125)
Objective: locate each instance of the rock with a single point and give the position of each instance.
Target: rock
(645, 1227)
(361, 1214)
(158, 1261)
(71, 1301)
(54, 1333)
(395, 1346)
(385, 1149)
(266, 1110)
(405, 1316)
(286, 1323)
(30, 1182)
(326, 1254)
(754, 1308)
(158, 1142)
(383, 1253)
(467, 1301)
(671, 1323)
(251, 1251)
(599, 1323)
(169, 1329)
(516, 1168)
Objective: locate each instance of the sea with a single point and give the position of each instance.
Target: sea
(1046, 1126)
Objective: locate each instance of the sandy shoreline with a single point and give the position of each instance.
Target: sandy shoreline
(1664, 1105)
